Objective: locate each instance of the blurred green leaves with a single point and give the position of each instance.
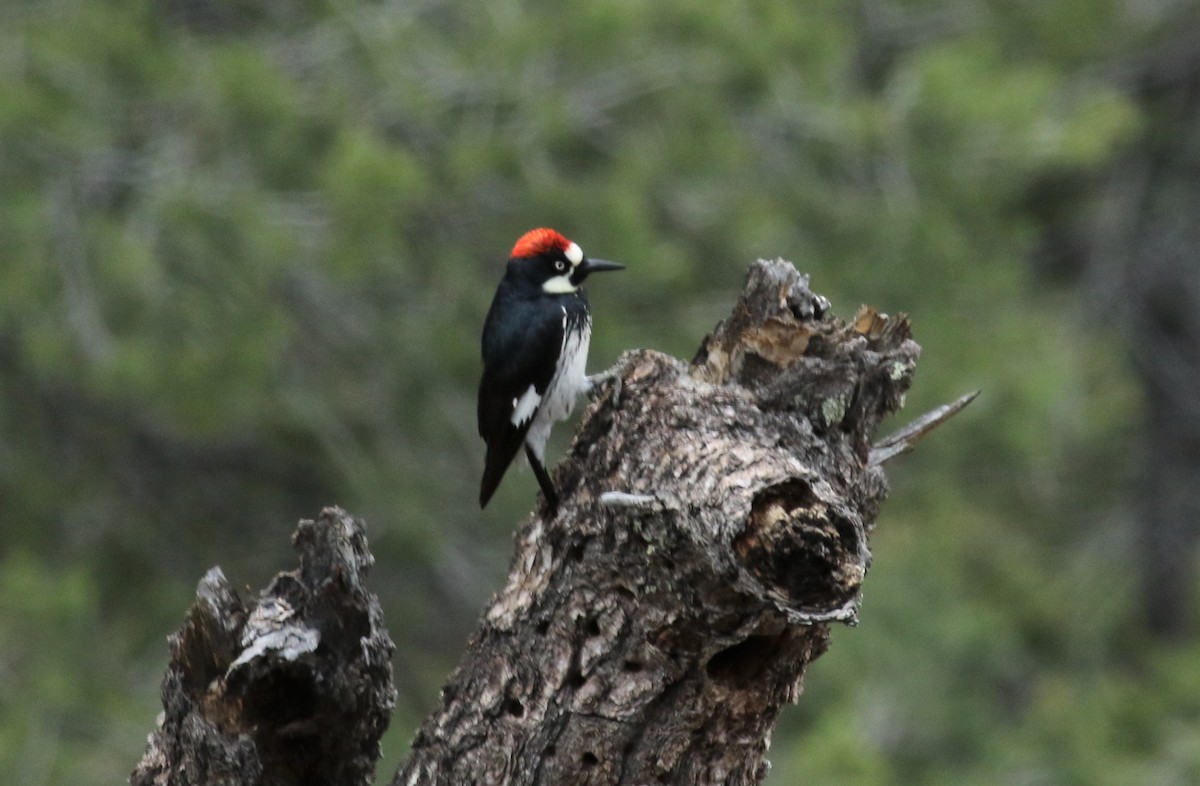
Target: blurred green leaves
(71, 687)
(245, 254)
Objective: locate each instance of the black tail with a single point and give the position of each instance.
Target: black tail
(501, 454)
(499, 457)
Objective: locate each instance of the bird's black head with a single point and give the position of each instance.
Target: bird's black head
(549, 260)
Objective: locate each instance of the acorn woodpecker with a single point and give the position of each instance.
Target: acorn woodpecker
(535, 346)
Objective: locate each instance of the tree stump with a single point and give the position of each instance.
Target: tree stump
(296, 689)
(713, 524)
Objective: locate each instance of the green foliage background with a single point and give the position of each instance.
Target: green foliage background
(246, 250)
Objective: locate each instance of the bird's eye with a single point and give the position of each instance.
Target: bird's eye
(560, 266)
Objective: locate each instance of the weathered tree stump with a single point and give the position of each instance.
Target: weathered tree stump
(714, 522)
(294, 689)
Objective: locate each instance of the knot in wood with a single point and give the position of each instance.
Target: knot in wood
(810, 554)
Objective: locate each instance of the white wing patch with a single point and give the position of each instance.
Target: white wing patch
(525, 406)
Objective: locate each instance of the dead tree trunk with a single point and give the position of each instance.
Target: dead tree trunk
(713, 523)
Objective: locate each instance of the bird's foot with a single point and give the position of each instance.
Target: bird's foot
(596, 383)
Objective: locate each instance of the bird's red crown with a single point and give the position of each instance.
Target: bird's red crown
(539, 241)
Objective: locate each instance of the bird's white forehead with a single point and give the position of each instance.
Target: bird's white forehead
(574, 254)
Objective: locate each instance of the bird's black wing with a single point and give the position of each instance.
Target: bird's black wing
(519, 353)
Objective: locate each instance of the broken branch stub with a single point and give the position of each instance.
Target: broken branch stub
(713, 521)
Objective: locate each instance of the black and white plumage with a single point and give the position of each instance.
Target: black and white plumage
(535, 346)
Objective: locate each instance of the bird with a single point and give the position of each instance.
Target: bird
(535, 345)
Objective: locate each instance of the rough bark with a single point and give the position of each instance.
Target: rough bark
(713, 523)
(295, 689)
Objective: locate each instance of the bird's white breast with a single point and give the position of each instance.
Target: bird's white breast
(567, 384)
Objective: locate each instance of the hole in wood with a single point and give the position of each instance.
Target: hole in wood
(592, 627)
(285, 695)
(738, 666)
(588, 759)
(632, 666)
(803, 547)
(514, 708)
(542, 627)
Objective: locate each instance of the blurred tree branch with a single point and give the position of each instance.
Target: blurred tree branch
(1160, 282)
(714, 522)
(1135, 250)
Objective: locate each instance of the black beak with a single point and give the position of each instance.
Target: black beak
(600, 265)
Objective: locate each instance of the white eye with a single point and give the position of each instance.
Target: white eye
(559, 265)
